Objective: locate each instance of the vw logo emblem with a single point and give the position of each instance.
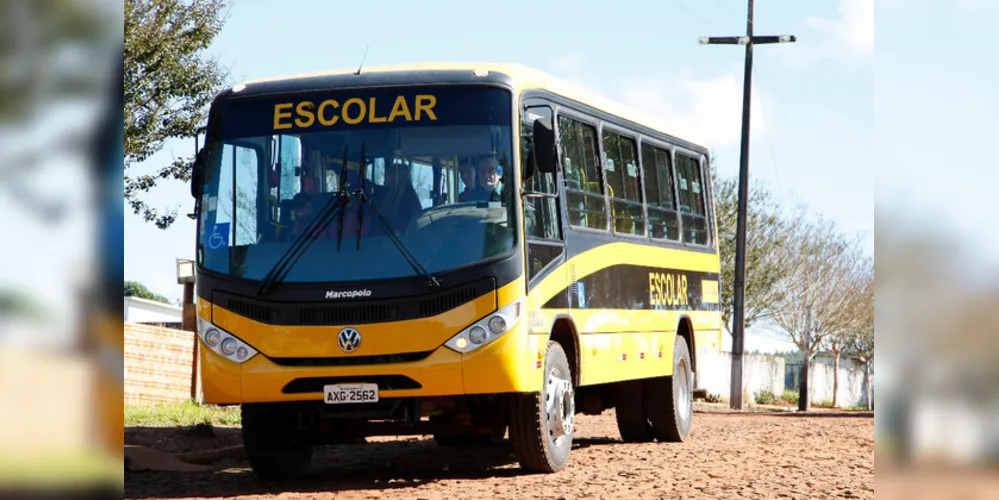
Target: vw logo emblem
(349, 339)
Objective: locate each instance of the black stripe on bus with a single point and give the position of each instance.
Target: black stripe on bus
(628, 286)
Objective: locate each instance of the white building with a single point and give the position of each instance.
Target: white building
(151, 312)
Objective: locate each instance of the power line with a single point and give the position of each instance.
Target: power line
(766, 118)
(749, 40)
(770, 143)
(766, 131)
(692, 14)
(727, 6)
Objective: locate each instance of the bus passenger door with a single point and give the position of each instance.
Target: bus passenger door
(545, 243)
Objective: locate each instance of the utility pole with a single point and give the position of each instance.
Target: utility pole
(738, 317)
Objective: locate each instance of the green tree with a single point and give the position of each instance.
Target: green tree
(819, 294)
(136, 289)
(848, 339)
(767, 234)
(860, 344)
(169, 84)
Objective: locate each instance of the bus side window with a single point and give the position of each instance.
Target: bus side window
(584, 183)
(621, 168)
(661, 208)
(541, 214)
(690, 182)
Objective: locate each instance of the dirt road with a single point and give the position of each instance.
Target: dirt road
(748, 455)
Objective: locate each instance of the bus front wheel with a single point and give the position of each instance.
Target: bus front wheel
(542, 425)
(275, 447)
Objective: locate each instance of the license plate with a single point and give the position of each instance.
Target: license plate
(340, 394)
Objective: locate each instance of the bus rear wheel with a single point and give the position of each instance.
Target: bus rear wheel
(275, 447)
(542, 425)
(670, 399)
(630, 412)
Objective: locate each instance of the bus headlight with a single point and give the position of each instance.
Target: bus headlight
(497, 324)
(477, 334)
(224, 343)
(213, 337)
(487, 329)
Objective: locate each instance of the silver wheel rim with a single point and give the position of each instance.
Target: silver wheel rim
(560, 408)
(683, 391)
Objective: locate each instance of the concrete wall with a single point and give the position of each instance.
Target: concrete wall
(852, 386)
(762, 371)
(150, 311)
(158, 363)
(714, 372)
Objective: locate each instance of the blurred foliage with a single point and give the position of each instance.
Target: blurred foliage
(136, 289)
(169, 84)
(47, 53)
(33, 35)
(17, 305)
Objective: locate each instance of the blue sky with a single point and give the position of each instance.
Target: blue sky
(828, 118)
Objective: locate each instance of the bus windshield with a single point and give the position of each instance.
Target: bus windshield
(433, 166)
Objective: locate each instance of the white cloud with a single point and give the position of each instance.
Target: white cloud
(165, 285)
(848, 37)
(710, 109)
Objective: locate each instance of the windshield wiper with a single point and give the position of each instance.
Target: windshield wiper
(342, 194)
(361, 196)
(298, 247)
(410, 258)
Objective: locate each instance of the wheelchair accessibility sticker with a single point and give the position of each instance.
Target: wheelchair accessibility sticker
(219, 237)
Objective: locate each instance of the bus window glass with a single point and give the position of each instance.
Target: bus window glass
(584, 186)
(274, 163)
(623, 183)
(689, 179)
(659, 193)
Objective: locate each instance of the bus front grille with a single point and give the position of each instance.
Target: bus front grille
(354, 313)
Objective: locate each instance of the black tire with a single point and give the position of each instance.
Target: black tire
(275, 447)
(670, 404)
(532, 428)
(632, 418)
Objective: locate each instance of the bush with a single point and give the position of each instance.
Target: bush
(764, 396)
(713, 398)
(790, 396)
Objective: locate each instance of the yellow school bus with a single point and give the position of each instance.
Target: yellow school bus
(456, 250)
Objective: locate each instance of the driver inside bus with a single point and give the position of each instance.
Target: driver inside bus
(488, 177)
(302, 212)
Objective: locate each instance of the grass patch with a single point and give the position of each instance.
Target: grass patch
(713, 398)
(764, 396)
(790, 397)
(186, 414)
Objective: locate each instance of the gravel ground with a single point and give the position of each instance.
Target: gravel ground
(823, 454)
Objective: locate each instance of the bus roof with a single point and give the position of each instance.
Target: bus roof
(523, 78)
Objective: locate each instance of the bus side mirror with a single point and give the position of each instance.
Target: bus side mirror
(198, 168)
(544, 156)
(197, 173)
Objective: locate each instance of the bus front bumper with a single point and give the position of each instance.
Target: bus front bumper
(508, 364)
